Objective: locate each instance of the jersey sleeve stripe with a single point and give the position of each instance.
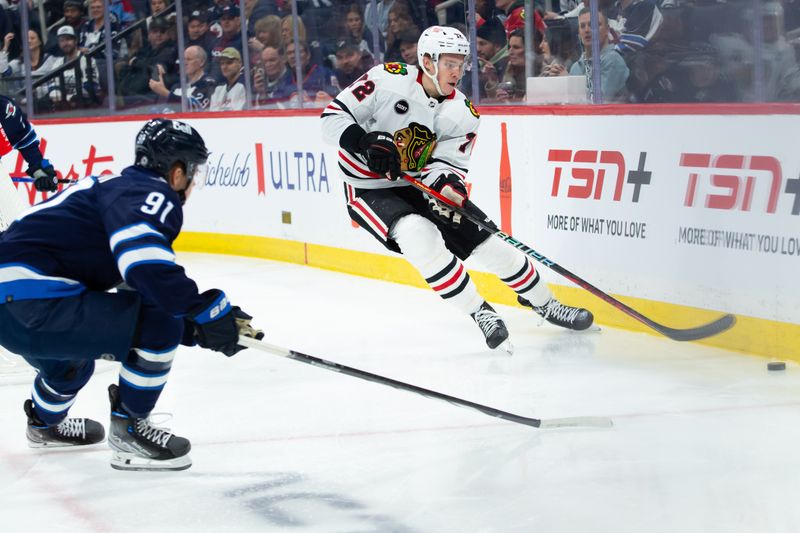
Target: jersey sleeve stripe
(59, 199)
(27, 140)
(357, 167)
(143, 255)
(344, 107)
(133, 232)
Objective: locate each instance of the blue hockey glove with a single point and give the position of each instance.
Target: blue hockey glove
(44, 176)
(215, 323)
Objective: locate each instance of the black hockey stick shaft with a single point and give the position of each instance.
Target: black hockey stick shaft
(689, 334)
(589, 421)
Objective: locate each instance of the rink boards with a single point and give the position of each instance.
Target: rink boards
(680, 216)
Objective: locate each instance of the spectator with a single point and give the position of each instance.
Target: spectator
(73, 16)
(515, 16)
(400, 21)
(545, 63)
(492, 50)
(138, 37)
(136, 74)
(41, 61)
(255, 10)
(197, 33)
(738, 56)
(484, 10)
(77, 86)
(230, 94)
(231, 37)
(407, 43)
(350, 63)
(382, 7)
(273, 83)
(319, 83)
(613, 70)
(156, 8)
(92, 32)
(123, 10)
(355, 29)
(633, 25)
(200, 85)
(287, 33)
(693, 77)
(512, 86)
(268, 31)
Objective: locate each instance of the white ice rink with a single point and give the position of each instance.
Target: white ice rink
(704, 440)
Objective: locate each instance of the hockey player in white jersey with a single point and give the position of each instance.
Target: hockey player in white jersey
(402, 118)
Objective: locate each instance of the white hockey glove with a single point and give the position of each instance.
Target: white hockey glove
(453, 188)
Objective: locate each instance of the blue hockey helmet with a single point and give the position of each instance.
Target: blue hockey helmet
(163, 142)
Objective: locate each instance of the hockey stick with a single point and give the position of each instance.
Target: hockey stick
(30, 180)
(689, 334)
(571, 422)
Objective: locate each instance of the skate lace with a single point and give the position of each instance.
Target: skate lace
(72, 427)
(559, 311)
(154, 434)
(487, 320)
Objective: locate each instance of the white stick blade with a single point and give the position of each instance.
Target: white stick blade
(577, 422)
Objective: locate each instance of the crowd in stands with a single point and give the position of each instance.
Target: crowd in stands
(650, 51)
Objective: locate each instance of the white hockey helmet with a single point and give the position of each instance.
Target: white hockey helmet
(441, 40)
(438, 40)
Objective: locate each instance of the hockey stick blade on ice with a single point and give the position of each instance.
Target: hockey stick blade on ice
(570, 422)
(689, 334)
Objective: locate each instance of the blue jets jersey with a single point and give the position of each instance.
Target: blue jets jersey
(95, 234)
(16, 133)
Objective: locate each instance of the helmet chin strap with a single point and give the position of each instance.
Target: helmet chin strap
(435, 76)
(182, 194)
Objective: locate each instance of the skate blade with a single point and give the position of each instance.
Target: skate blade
(130, 461)
(40, 445)
(505, 347)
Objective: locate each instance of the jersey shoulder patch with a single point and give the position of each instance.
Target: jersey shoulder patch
(11, 109)
(400, 69)
(471, 108)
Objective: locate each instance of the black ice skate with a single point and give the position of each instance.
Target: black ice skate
(139, 445)
(492, 327)
(566, 316)
(70, 432)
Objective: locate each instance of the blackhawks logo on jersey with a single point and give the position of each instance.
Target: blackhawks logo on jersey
(471, 108)
(395, 68)
(415, 144)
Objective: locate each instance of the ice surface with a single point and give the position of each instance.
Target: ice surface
(704, 440)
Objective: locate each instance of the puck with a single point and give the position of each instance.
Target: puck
(776, 365)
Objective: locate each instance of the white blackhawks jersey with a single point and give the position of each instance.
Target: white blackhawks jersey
(390, 98)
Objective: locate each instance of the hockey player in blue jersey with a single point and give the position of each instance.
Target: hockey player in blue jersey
(16, 133)
(57, 263)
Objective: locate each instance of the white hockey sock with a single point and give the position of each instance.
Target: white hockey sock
(514, 269)
(423, 246)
